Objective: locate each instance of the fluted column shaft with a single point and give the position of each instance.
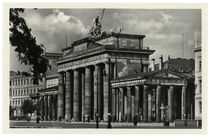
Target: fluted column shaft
(49, 107)
(120, 104)
(128, 103)
(68, 94)
(125, 108)
(46, 107)
(42, 108)
(54, 107)
(76, 96)
(132, 107)
(100, 93)
(183, 102)
(87, 91)
(150, 106)
(158, 94)
(83, 96)
(145, 103)
(117, 104)
(106, 91)
(170, 104)
(96, 88)
(60, 96)
(136, 110)
(113, 103)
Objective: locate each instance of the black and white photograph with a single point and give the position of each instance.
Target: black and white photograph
(105, 68)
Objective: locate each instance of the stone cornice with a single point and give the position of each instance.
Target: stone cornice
(105, 49)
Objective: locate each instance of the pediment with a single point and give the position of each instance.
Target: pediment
(166, 74)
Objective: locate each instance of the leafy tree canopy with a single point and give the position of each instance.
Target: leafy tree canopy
(29, 52)
(28, 107)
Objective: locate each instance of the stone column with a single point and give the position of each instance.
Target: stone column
(106, 91)
(100, 92)
(136, 111)
(83, 96)
(158, 94)
(46, 107)
(150, 105)
(145, 103)
(183, 102)
(113, 103)
(49, 107)
(132, 107)
(96, 90)
(128, 104)
(120, 104)
(54, 107)
(87, 92)
(68, 95)
(42, 108)
(125, 108)
(76, 96)
(60, 96)
(117, 104)
(170, 104)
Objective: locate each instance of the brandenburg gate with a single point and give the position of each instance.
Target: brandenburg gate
(87, 68)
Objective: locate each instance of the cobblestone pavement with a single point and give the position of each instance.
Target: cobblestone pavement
(56, 124)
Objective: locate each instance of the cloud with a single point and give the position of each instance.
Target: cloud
(51, 30)
(166, 18)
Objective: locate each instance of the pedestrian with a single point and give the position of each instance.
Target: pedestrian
(135, 120)
(37, 119)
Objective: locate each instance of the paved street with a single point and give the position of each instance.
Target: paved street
(55, 124)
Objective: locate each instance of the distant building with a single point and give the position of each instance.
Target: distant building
(48, 95)
(198, 76)
(176, 64)
(21, 86)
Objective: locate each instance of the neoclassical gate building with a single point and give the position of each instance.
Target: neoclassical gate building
(111, 75)
(87, 68)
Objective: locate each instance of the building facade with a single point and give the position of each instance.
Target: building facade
(48, 95)
(21, 86)
(198, 76)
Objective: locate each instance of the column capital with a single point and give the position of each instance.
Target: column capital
(69, 71)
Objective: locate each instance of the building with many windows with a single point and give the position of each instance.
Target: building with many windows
(21, 86)
(198, 76)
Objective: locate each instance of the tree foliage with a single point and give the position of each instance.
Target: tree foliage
(29, 52)
(28, 107)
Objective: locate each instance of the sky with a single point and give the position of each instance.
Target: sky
(164, 28)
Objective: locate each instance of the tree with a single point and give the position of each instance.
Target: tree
(29, 52)
(11, 111)
(28, 107)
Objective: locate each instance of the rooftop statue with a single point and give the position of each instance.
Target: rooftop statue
(95, 30)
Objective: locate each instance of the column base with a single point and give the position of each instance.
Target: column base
(87, 118)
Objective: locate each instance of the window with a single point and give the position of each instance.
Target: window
(200, 106)
(200, 65)
(200, 84)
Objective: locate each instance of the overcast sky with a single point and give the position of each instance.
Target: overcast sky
(163, 28)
